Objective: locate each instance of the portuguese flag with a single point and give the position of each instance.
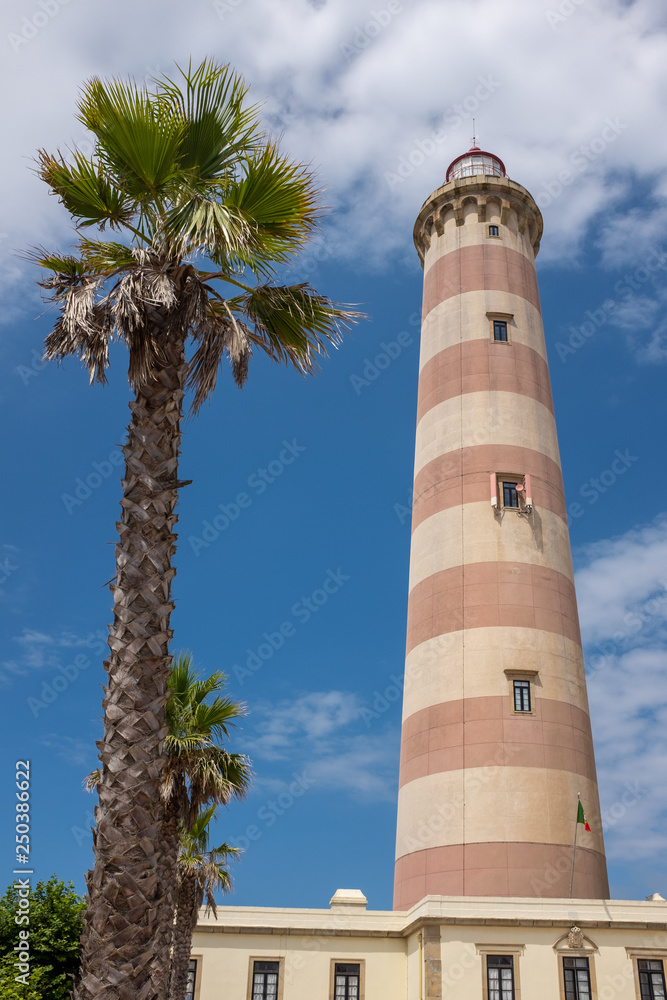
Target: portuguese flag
(581, 818)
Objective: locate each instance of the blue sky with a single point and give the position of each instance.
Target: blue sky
(299, 591)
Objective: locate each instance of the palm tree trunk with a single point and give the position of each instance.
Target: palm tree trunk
(128, 928)
(186, 921)
(169, 876)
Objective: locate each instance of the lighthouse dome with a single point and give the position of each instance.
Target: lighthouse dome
(474, 162)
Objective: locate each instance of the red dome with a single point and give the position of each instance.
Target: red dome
(475, 161)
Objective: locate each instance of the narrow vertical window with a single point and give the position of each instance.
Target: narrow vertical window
(192, 980)
(522, 696)
(577, 979)
(510, 495)
(500, 330)
(651, 978)
(346, 981)
(493, 231)
(500, 977)
(265, 981)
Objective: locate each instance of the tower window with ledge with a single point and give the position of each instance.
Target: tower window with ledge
(521, 696)
(500, 330)
(494, 231)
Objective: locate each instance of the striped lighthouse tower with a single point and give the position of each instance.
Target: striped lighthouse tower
(496, 739)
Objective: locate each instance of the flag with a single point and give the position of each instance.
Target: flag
(581, 818)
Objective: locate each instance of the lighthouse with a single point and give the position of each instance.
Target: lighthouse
(496, 738)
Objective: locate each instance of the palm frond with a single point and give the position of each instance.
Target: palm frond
(65, 266)
(279, 201)
(294, 324)
(103, 257)
(221, 333)
(86, 190)
(201, 223)
(219, 130)
(92, 780)
(138, 137)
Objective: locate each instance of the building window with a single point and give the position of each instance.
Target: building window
(651, 978)
(192, 980)
(265, 980)
(500, 977)
(500, 331)
(577, 979)
(346, 981)
(510, 495)
(494, 231)
(521, 696)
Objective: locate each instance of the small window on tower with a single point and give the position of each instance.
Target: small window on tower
(521, 696)
(500, 330)
(494, 231)
(510, 495)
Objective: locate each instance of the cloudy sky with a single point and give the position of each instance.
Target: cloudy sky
(378, 98)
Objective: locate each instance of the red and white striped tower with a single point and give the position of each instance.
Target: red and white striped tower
(496, 741)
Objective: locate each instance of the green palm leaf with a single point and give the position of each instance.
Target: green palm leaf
(219, 130)
(85, 190)
(138, 137)
(293, 323)
(279, 203)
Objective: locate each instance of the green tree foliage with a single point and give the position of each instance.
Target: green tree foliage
(55, 929)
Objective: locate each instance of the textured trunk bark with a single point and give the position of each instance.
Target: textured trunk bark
(169, 867)
(186, 921)
(128, 928)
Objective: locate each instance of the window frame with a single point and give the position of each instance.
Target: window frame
(513, 951)
(521, 684)
(500, 317)
(652, 995)
(266, 958)
(496, 226)
(517, 674)
(200, 961)
(647, 954)
(577, 958)
(511, 479)
(500, 983)
(500, 327)
(347, 961)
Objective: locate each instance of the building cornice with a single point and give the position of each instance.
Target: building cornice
(462, 911)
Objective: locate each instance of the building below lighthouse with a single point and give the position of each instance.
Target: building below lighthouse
(501, 888)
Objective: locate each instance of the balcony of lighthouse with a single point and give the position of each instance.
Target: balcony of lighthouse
(460, 212)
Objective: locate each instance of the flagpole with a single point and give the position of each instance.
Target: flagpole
(574, 848)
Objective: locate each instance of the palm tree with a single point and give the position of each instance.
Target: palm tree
(185, 176)
(199, 770)
(201, 870)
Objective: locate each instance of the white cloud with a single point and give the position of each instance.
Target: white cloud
(622, 592)
(318, 733)
(38, 650)
(356, 114)
(622, 585)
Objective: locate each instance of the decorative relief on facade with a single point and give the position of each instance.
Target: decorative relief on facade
(575, 938)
